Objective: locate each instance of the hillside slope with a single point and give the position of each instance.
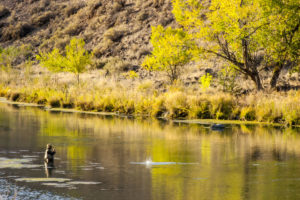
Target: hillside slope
(109, 28)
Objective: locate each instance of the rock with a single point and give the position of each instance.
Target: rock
(217, 127)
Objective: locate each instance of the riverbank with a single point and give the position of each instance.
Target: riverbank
(173, 104)
(184, 121)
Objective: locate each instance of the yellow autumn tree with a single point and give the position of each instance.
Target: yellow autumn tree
(250, 34)
(172, 48)
(76, 59)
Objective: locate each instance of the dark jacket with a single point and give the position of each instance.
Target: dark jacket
(49, 155)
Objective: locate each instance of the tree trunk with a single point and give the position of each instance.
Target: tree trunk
(276, 74)
(258, 84)
(78, 79)
(253, 73)
(173, 74)
(256, 79)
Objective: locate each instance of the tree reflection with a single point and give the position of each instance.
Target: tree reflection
(243, 162)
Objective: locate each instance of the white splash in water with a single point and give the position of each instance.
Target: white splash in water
(148, 161)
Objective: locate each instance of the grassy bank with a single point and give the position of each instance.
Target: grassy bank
(176, 102)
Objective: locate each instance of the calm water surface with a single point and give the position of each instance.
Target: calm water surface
(115, 158)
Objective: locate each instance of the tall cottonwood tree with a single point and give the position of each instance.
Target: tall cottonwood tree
(246, 33)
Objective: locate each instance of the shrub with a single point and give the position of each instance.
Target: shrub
(142, 16)
(130, 107)
(62, 42)
(176, 104)
(132, 74)
(68, 104)
(108, 105)
(73, 8)
(98, 63)
(247, 113)
(146, 87)
(143, 52)
(291, 108)
(116, 7)
(102, 47)
(40, 20)
(220, 106)
(8, 56)
(227, 109)
(265, 111)
(44, 3)
(16, 32)
(143, 106)
(54, 102)
(41, 101)
(36, 9)
(74, 28)
(15, 96)
(85, 105)
(4, 12)
(116, 66)
(92, 7)
(115, 34)
(199, 108)
(158, 3)
(2, 25)
(227, 78)
(205, 81)
(159, 107)
(3, 91)
(291, 117)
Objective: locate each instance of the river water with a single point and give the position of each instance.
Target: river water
(101, 157)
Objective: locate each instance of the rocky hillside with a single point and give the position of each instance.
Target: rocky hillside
(117, 28)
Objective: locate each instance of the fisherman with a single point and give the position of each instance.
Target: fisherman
(49, 154)
(49, 167)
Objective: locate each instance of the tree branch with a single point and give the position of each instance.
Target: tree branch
(236, 63)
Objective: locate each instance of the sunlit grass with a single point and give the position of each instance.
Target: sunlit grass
(174, 103)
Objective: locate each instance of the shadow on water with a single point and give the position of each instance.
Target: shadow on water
(104, 157)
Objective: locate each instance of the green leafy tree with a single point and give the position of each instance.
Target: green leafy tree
(227, 77)
(76, 59)
(53, 61)
(172, 48)
(245, 33)
(281, 37)
(7, 56)
(205, 81)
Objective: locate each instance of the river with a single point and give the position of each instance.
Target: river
(103, 157)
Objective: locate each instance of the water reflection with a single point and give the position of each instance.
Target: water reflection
(49, 167)
(188, 161)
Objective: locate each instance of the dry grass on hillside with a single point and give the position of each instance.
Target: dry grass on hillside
(111, 28)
